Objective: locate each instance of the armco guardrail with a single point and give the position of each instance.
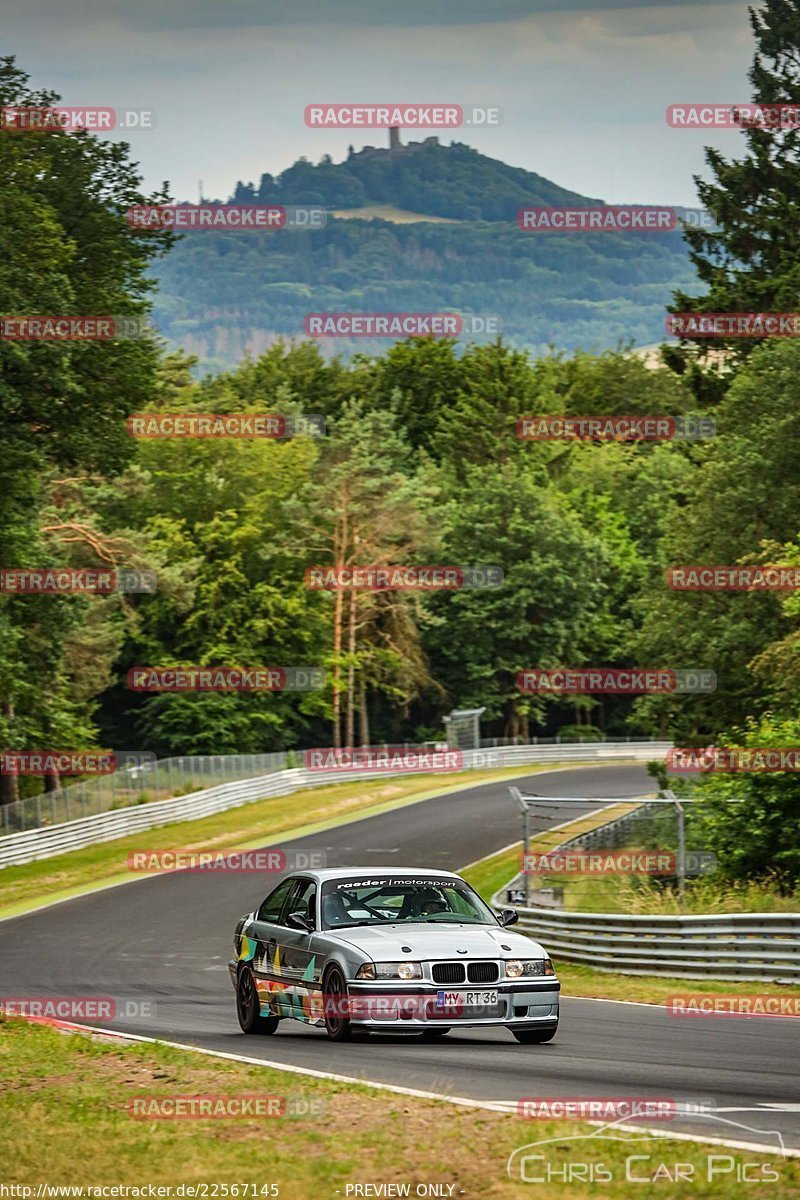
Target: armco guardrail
(746, 946)
(729, 946)
(144, 781)
(16, 848)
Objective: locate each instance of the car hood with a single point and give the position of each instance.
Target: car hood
(385, 943)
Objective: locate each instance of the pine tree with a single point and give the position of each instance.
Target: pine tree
(751, 261)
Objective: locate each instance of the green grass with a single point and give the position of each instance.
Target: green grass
(489, 874)
(644, 896)
(64, 1113)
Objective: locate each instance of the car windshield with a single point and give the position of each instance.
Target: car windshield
(392, 901)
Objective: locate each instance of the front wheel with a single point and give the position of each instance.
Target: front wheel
(248, 1006)
(534, 1037)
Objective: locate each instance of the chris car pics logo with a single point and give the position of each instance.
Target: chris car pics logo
(621, 1153)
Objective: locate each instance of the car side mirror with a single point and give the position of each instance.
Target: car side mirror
(509, 916)
(298, 920)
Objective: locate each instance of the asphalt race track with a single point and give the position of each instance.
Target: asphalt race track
(165, 940)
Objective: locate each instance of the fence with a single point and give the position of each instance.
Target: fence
(46, 841)
(135, 785)
(728, 946)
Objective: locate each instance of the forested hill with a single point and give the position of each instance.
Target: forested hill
(424, 177)
(429, 228)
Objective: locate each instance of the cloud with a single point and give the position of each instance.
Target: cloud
(244, 14)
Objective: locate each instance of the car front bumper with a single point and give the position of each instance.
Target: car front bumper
(397, 1006)
(419, 1006)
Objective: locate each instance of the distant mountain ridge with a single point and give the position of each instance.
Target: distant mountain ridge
(452, 181)
(438, 233)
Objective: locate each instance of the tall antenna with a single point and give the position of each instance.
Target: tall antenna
(199, 191)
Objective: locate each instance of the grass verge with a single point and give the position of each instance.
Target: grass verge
(64, 1111)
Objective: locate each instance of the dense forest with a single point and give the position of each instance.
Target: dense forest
(420, 463)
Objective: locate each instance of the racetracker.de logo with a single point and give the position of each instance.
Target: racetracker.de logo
(392, 759)
(400, 1006)
(615, 862)
(59, 1008)
(271, 859)
(733, 325)
(604, 218)
(206, 216)
(193, 218)
(692, 759)
(27, 581)
(399, 325)
(748, 115)
(57, 762)
(650, 428)
(215, 1107)
(399, 579)
(616, 680)
(62, 328)
(602, 1108)
(226, 679)
(733, 579)
(223, 425)
(699, 1004)
(390, 115)
(30, 119)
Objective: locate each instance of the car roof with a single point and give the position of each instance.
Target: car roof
(374, 873)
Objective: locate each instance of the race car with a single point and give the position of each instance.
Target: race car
(397, 950)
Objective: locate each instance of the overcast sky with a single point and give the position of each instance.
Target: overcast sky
(583, 84)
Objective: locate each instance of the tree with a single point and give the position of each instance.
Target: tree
(369, 509)
(65, 249)
(551, 609)
(742, 500)
(751, 820)
(751, 262)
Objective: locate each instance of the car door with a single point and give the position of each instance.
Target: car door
(300, 968)
(263, 932)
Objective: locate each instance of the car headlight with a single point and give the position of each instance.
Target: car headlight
(515, 968)
(390, 970)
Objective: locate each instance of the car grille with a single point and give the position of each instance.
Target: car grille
(454, 972)
(482, 972)
(448, 972)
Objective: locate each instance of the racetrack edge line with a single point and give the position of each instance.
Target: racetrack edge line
(461, 1101)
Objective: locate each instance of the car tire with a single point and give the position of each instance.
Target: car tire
(248, 1008)
(534, 1037)
(337, 1027)
(433, 1035)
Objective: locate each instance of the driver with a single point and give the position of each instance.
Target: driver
(423, 903)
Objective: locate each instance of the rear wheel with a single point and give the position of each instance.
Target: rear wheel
(248, 1006)
(533, 1037)
(334, 990)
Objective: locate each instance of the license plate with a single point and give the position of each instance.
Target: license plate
(458, 1000)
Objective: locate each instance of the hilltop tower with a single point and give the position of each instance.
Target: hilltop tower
(394, 139)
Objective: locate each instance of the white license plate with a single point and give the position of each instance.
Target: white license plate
(466, 999)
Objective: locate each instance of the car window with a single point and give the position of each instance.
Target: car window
(400, 900)
(271, 908)
(303, 900)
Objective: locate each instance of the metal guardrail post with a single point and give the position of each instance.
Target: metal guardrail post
(681, 813)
